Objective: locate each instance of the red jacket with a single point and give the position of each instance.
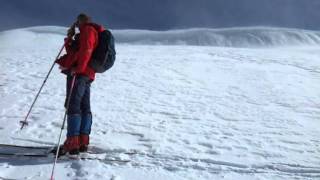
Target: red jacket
(79, 60)
(67, 60)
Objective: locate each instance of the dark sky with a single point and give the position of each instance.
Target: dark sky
(163, 14)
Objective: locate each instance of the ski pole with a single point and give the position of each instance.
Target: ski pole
(25, 121)
(63, 124)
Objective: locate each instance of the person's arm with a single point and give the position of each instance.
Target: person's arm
(68, 40)
(87, 43)
(61, 61)
(68, 59)
(67, 44)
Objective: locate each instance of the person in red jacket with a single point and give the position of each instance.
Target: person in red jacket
(76, 63)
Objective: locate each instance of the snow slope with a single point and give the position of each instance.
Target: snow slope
(190, 112)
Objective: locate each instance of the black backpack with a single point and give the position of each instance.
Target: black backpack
(104, 55)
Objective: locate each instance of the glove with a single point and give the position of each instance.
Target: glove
(73, 72)
(61, 59)
(71, 30)
(62, 68)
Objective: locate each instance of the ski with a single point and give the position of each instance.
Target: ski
(94, 153)
(33, 151)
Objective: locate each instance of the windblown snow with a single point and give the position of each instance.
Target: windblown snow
(199, 104)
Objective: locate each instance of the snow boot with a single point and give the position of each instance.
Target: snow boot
(72, 145)
(84, 142)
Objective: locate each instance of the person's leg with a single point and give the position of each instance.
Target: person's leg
(86, 119)
(74, 115)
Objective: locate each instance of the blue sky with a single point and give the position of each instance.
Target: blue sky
(163, 14)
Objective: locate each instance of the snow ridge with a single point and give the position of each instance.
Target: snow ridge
(227, 37)
(231, 37)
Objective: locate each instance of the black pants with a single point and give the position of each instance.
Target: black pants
(80, 97)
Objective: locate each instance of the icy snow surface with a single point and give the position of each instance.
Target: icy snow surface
(189, 112)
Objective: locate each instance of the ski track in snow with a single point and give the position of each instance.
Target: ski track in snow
(188, 112)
